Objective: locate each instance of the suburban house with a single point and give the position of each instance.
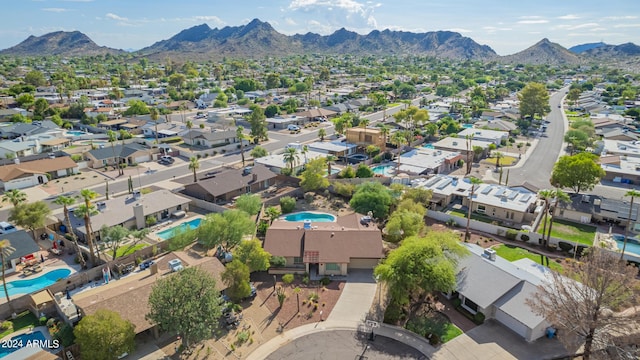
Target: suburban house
(109, 112)
(622, 148)
(457, 144)
(596, 209)
(211, 139)
(282, 122)
(21, 130)
(276, 162)
(131, 211)
(20, 175)
(620, 134)
(335, 148)
(491, 136)
(424, 161)
(498, 125)
(113, 125)
(325, 248)
(112, 154)
(621, 169)
(25, 247)
(224, 185)
(130, 298)
(164, 129)
(444, 190)
(499, 289)
(365, 137)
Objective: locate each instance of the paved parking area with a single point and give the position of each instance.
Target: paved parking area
(356, 298)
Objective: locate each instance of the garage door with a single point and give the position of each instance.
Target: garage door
(363, 263)
(513, 324)
(141, 159)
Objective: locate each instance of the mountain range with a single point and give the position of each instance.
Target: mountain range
(258, 39)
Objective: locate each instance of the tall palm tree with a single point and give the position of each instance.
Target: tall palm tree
(189, 127)
(15, 197)
(240, 136)
(304, 151)
(113, 137)
(545, 194)
(474, 182)
(559, 196)
(5, 251)
(322, 133)
(632, 194)
(67, 201)
(498, 156)
(86, 211)
(397, 139)
(384, 131)
(364, 122)
(153, 113)
(291, 157)
(194, 165)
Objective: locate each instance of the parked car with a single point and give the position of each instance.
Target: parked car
(168, 159)
(357, 158)
(293, 128)
(6, 228)
(145, 264)
(175, 265)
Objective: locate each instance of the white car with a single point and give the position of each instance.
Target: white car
(175, 265)
(293, 128)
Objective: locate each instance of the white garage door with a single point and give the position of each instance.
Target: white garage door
(511, 323)
(141, 159)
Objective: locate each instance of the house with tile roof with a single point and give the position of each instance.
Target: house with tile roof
(20, 175)
(325, 248)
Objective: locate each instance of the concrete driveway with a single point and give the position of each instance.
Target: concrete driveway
(356, 298)
(494, 341)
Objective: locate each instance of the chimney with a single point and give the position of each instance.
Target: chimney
(138, 213)
(254, 177)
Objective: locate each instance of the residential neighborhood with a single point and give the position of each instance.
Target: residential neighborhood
(367, 205)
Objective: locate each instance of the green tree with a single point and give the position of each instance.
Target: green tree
(363, 171)
(225, 229)
(136, 107)
(86, 210)
(258, 123)
(404, 222)
(421, 265)
(313, 178)
(398, 139)
(558, 196)
(372, 196)
(25, 101)
(534, 100)
(186, 303)
(5, 252)
(475, 182)
(251, 253)
(272, 213)
(104, 336)
(291, 157)
(236, 277)
(578, 172)
(249, 203)
(67, 201)
(114, 238)
(153, 114)
(15, 197)
(287, 204)
(322, 133)
(546, 195)
(241, 137)
(194, 165)
(40, 108)
(347, 173)
(35, 78)
(30, 216)
(258, 152)
(579, 302)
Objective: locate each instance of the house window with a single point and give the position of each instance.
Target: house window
(297, 261)
(470, 304)
(481, 209)
(332, 267)
(179, 207)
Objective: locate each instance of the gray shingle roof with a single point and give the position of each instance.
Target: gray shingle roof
(107, 152)
(22, 242)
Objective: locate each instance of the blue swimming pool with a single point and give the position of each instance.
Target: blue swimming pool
(386, 170)
(76, 133)
(28, 286)
(633, 244)
(169, 233)
(13, 345)
(311, 216)
(467, 126)
(428, 146)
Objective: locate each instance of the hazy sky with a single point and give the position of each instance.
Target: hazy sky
(506, 26)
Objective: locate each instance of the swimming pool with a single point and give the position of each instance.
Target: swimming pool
(169, 233)
(76, 133)
(633, 245)
(310, 216)
(467, 126)
(34, 338)
(30, 285)
(386, 170)
(428, 146)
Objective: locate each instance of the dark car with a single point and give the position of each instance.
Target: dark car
(356, 158)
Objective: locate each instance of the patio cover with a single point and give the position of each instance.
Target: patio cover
(41, 298)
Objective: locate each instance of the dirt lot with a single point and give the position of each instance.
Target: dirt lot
(288, 316)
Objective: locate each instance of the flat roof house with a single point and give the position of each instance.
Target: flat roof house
(422, 161)
(492, 136)
(325, 248)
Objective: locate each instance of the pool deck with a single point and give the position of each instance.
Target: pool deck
(46, 267)
(27, 351)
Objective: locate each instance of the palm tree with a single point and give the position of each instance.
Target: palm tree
(153, 113)
(189, 126)
(291, 157)
(330, 158)
(86, 211)
(384, 131)
(304, 151)
(545, 194)
(397, 139)
(194, 165)
(67, 201)
(560, 196)
(498, 156)
(363, 124)
(113, 137)
(240, 136)
(474, 181)
(633, 194)
(15, 197)
(322, 133)
(5, 251)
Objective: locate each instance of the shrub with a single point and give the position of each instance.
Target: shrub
(393, 314)
(51, 322)
(262, 228)
(347, 173)
(313, 297)
(286, 171)
(6, 325)
(456, 302)
(524, 237)
(325, 281)
(287, 278)
(565, 246)
(433, 339)
(344, 189)
(278, 261)
(305, 280)
(287, 204)
(511, 234)
(242, 337)
(478, 318)
(451, 222)
(364, 171)
(377, 159)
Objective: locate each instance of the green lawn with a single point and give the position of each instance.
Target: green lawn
(126, 249)
(474, 216)
(450, 332)
(512, 253)
(571, 231)
(504, 161)
(434, 323)
(23, 320)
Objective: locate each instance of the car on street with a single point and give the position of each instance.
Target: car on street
(293, 128)
(175, 265)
